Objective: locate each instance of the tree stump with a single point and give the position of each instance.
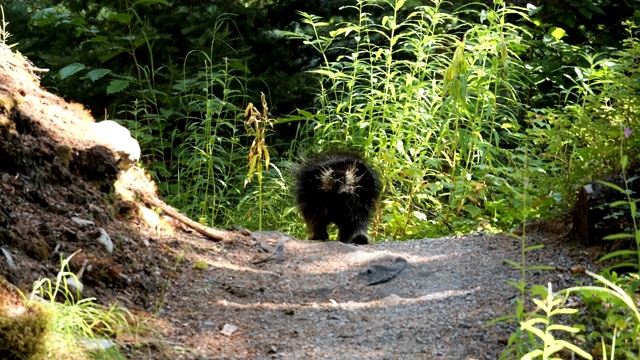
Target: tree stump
(594, 218)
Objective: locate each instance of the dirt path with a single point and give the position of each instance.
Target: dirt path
(315, 305)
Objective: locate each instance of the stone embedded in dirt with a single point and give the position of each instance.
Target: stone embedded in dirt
(382, 270)
(82, 222)
(119, 137)
(97, 344)
(228, 329)
(392, 300)
(7, 255)
(74, 285)
(105, 240)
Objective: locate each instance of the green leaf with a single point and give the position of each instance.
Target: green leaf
(619, 203)
(528, 326)
(150, 2)
(588, 14)
(532, 9)
(78, 21)
(98, 39)
(123, 18)
(596, 9)
(618, 253)
(512, 263)
(96, 74)
(619, 236)
(534, 247)
(612, 185)
(117, 85)
(574, 348)
(532, 355)
(70, 69)
(628, 265)
(113, 53)
(542, 305)
(563, 311)
(520, 285)
(540, 267)
(557, 33)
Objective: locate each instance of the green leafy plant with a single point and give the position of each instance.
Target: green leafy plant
(4, 33)
(544, 329)
(610, 309)
(614, 313)
(431, 108)
(629, 204)
(75, 321)
(201, 265)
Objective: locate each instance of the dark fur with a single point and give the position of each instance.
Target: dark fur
(339, 188)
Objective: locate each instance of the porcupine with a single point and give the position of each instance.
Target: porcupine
(337, 187)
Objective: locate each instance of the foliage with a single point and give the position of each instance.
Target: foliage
(606, 96)
(581, 139)
(434, 99)
(448, 102)
(54, 323)
(549, 343)
(258, 152)
(201, 265)
(612, 314)
(612, 309)
(596, 24)
(75, 321)
(4, 33)
(630, 205)
(122, 45)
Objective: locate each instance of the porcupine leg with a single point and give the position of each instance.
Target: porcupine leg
(354, 232)
(318, 229)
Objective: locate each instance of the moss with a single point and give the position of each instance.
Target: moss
(6, 236)
(23, 328)
(64, 152)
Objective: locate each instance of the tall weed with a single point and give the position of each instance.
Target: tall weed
(434, 100)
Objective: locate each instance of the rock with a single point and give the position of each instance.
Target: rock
(392, 300)
(82, 222)
(97, 344)
(228, 329)
(105, 240)
(119, 138)
(74, 285)
(382, 270)
(7, 255)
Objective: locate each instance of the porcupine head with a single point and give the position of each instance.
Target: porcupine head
(343, 180)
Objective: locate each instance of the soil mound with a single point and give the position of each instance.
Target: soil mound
(61, 191)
